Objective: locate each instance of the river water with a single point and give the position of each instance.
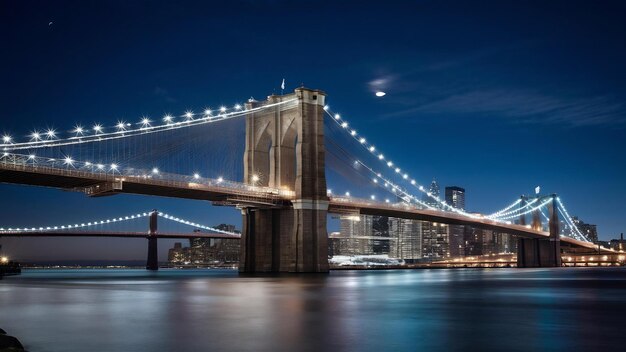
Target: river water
(559, 309)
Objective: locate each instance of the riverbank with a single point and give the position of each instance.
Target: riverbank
(10, 268)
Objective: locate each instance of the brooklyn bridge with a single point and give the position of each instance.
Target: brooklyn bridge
(283, 195)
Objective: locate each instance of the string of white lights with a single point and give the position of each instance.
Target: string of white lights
(67, 161)
(372, 149)
(569, 219)
(572, 226)
(505, 209)
(394, 187)
(190, 223)
(515, 211)
(76, 225)
(124, 129)
(546, 202)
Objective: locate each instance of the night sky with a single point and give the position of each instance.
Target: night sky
(496, 97)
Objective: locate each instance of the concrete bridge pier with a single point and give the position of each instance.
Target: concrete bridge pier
(532, 253)
(153, 258)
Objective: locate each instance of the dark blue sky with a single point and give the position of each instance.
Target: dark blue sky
(496, 97)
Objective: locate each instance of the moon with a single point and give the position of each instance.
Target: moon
(380, 94)
(50, 23)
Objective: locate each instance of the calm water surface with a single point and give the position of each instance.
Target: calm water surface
(575, 309)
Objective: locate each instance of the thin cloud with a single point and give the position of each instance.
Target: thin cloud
(526, 107)
(164, 93)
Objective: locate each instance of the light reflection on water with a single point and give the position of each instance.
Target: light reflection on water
(408, 310)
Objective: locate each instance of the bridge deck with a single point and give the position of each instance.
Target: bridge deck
(165, 185)
(233, 193)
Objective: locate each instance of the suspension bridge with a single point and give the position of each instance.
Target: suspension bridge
(282, 193)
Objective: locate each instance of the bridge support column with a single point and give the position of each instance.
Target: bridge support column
(542, 252)
(153, 258)
(293, 238)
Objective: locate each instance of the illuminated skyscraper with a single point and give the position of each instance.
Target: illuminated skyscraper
(455, 196)
(433, 190)
(406, 240)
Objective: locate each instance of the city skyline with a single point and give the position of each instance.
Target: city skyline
(510, 111)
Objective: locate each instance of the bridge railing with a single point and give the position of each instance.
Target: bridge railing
(114, 173)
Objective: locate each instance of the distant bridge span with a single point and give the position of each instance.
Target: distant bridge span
(119, 234)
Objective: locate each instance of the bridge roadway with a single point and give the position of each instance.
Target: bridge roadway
(236, 194)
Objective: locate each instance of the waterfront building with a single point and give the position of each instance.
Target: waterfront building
(405, 240)
(435, 243)
(589, 230)
(207, 251)
(618, 244)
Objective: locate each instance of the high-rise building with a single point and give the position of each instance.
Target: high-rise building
(405, 240)
(433, 192)
(206, 251)
(380, 228)
(435, 242)
(455, 197)
(356, 235)
(589, 230)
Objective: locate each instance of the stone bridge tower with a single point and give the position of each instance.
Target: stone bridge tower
(285, 149)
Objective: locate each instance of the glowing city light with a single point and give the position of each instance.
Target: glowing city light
(6, 138)
(68, 161)
(168, 118)
(50, 133)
